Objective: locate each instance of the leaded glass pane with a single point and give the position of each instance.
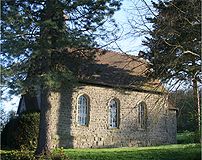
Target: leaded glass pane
(142, 115)
(113, 114)
(82, 110)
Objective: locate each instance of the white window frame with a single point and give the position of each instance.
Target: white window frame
(142, 115)
(113, 116)
(82, 110)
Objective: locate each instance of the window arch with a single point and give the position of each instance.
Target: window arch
(83, 106)
(113, 113)
(142, 115)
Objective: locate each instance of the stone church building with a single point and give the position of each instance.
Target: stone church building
(112, 105)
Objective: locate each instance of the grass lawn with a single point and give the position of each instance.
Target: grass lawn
(166, 152)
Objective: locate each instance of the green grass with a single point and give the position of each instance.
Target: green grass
(166, 152)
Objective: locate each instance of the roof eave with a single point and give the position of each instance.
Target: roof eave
(127, 87)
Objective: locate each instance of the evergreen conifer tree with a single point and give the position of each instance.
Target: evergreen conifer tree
(34, 32)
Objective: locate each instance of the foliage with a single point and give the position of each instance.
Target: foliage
(185, 104)
(35, 36)
(17, 155)
(25, 155)
(35, 32)
(3, 119)
(188, 137)
(185, 152)
(21, 132)
(6, 117)
(175, 46)
(175, 40)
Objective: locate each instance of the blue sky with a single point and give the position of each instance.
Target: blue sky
(128, 44)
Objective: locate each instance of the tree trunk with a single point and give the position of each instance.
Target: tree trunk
(196, 103)
(44, 140)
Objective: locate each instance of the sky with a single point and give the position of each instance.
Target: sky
(10, 104)
(127, 43)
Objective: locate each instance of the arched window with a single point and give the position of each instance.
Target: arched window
(142, 115)
(113, 114)
(83, 110)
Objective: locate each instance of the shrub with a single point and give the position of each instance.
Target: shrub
(17, 155)
(29, 155)
(21, 132)
(188, 137)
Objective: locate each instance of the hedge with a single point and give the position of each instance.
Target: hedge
(21, 132)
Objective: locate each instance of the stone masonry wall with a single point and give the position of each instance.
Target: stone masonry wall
(161, 122)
